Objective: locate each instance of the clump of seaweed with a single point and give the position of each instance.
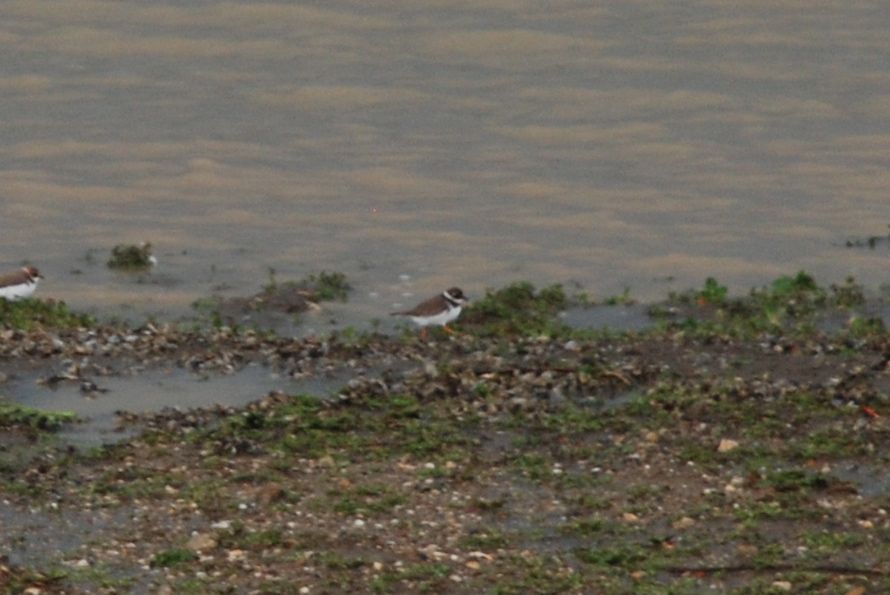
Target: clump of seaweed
(871, 242)
(329, 286)
(322, 287)
(276, 298)
(131, 256)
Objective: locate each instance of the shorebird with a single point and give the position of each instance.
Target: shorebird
(439, 310)
(19, 284)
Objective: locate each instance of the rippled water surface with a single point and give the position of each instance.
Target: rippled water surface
(616, 144)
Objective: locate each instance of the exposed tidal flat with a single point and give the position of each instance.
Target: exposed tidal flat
(707, 441)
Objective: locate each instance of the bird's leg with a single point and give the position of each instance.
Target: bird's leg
(448, 330)
(423, 333)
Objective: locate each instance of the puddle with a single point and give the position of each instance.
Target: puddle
(883, 312)
(70, 538)
(49, 532)
(869, 481)
(835, 321)
(633, 317)
(622, 399)
(153, 391)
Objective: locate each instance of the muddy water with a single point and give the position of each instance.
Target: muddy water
(637, 145)
(153, 391)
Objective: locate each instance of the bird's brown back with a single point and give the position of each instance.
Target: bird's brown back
(15, 278)
(430, 307)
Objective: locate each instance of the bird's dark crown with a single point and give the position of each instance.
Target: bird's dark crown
(455, 294)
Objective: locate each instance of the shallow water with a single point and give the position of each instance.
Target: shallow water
(869, 481)
(153, 391)
(622, 145)
(632, 317)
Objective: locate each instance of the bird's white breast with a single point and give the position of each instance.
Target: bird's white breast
(22, 290)
(440, 319)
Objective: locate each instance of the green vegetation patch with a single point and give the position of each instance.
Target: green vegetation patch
(712, 293)
(518, 309)
(368, 499)
(173, 557)
(238, 537)
(15, 415)
(628, 556)
(30, 313)
(131, 256)
(791, 303)
(485, 539)
(317, 287)
(792, 480)
(329, 286)
(419, 578)
(23, 580)
(545, 574)
(266, 308)
(363, 428)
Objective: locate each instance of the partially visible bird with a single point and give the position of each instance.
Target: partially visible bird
(438, 310)
(20, 283)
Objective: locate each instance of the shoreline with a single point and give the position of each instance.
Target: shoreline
(742, 450)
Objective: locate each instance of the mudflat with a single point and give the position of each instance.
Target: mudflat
(736, 445)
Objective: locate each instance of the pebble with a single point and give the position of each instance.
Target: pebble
(683, 523)
(747, 550)
(270, 494)
(236, 555)
(200, 542)
(727, 444)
